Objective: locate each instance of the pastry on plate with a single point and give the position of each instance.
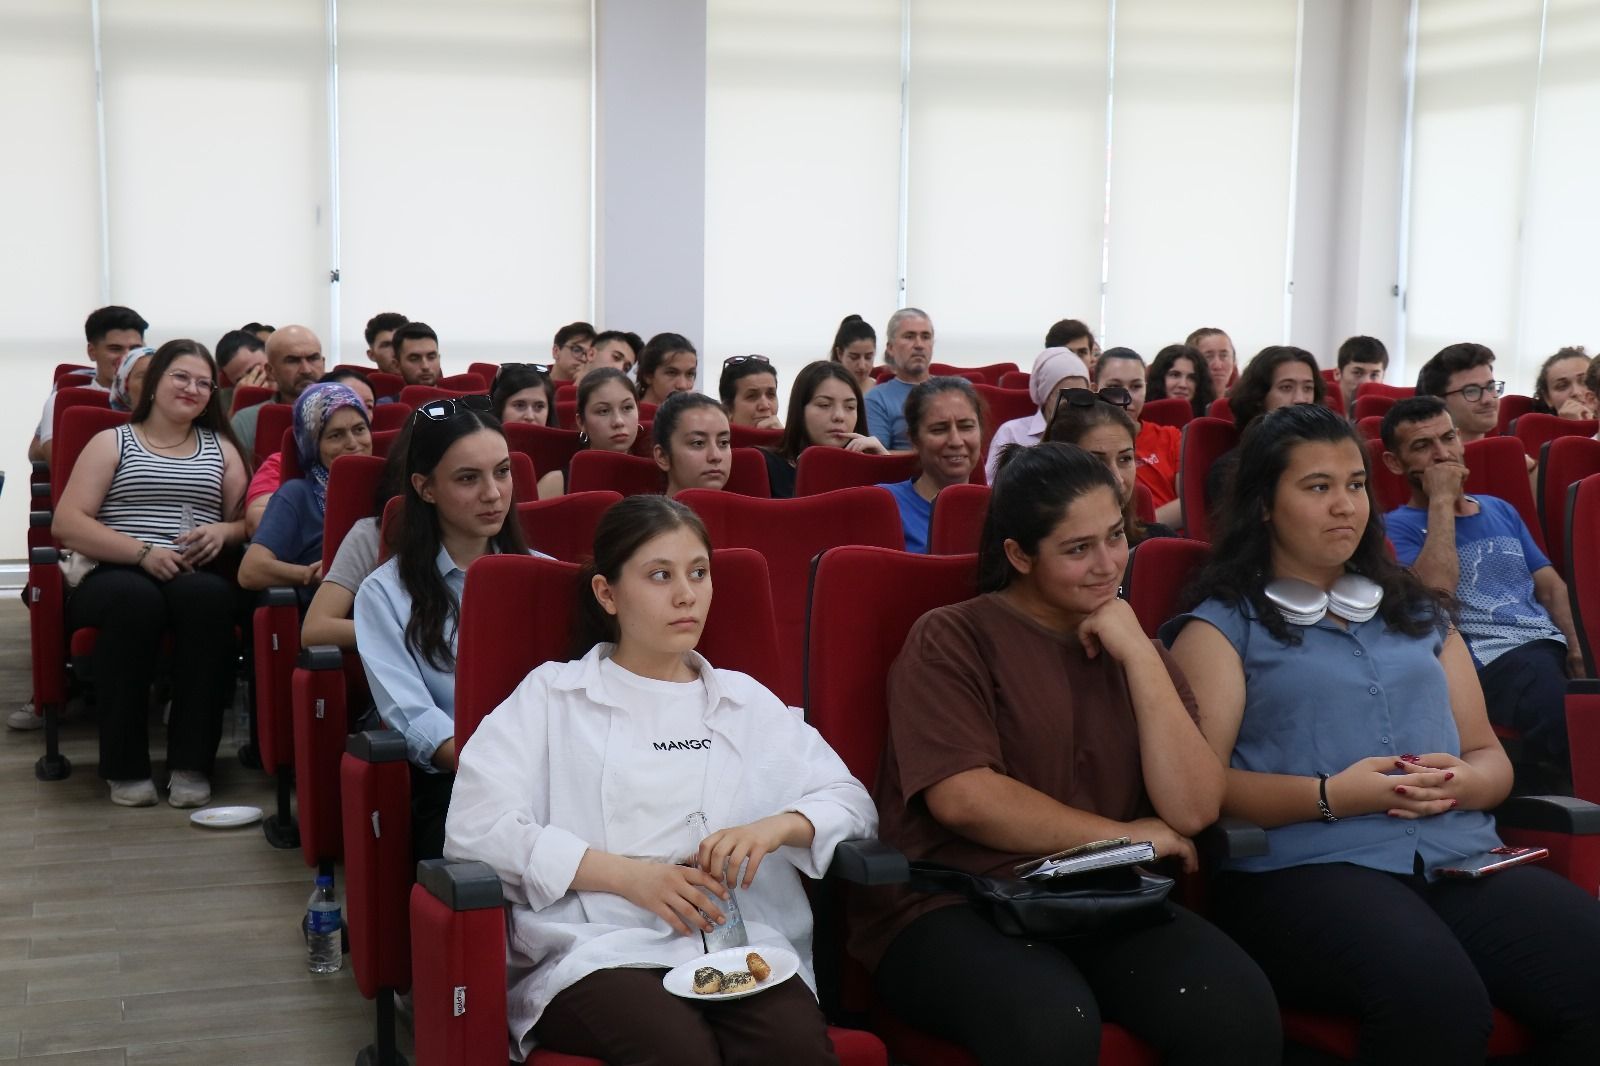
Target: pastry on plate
(707, 981)
(737, 981)
(757, 966)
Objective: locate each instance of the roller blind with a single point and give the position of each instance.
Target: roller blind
(1201, 134)
(464, 169)
(802, 175)
(1007, 185)
(216, 147)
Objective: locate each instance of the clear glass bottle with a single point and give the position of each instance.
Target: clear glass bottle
(730, 934)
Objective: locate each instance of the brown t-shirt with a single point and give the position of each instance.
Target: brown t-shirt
(981, 684)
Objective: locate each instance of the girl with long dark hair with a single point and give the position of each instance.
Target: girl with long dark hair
(608, 420)
(151, 506)
(693, 444)
(580, 789)
(1179, 372)
(457, 508)
(825, 410)
(1334, 687)
(523, 392)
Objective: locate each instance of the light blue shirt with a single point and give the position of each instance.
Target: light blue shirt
(1343, 695)
(413, 697)
(886, 414)
(916, 514)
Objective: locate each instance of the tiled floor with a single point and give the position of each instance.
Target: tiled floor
(131, 936)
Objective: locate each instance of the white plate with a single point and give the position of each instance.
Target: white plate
(785, 964)
(226, 817)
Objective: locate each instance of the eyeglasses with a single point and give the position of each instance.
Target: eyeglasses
(1115, 395)
(185, 381)
(542, 369)
(735, 360)
(446, 409)
(582, 351)
(1474, 393)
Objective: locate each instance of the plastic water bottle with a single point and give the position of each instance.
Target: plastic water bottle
(322, 928)
(731, 934)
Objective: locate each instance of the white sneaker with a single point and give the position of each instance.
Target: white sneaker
(134, 793)
(188, 788)
(24, 718)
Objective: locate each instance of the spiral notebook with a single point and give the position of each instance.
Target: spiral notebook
(1098, 855)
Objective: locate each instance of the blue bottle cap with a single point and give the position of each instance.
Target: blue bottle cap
(324, 879)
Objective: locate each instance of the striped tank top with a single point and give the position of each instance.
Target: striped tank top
(149, 493)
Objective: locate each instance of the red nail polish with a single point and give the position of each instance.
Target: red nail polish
(1449, 774)
(1400, 789)
(1453, 803)
(1408, 757)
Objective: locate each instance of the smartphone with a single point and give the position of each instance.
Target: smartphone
(1493, 861)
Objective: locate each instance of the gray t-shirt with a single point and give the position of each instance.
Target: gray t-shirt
(357, 556)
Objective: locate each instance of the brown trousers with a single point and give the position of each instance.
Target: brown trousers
(626, 1018)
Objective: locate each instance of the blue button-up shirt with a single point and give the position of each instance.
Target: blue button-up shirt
(1341, 695)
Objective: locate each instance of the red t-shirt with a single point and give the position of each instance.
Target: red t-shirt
(1157, 449)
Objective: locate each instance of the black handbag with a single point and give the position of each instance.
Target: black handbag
(1061, 908)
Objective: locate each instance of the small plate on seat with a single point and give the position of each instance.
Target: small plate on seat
(785, 964)
(226, 817)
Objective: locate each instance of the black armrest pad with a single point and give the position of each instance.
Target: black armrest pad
(378, 745)
(1231, 838)
(40, 490)
(321, 657)
(1583, 686)
(461, 886)
(37, 519)
(1550, 814)
(43, 557)
(869, 862)
(40, 468)
(279, 596)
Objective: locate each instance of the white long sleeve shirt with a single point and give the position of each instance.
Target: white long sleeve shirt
(545, 778)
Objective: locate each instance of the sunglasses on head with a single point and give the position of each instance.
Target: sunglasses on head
(735, 360)
(1114, 395)
(446, 409)
(542, 369)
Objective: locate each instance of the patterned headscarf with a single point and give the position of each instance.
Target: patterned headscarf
(120, 399)
(311, 413)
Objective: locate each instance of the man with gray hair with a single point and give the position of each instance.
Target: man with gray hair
(908, 348)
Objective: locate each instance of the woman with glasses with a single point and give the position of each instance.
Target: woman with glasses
(1054, 369)
(1101, 426)
(944, 419)
(329, 421)
(573, 347)
(749, 391)
(608, 421)
(457, 508)
(523, 392)
(825, 411)
(667, 365)
(150, 506)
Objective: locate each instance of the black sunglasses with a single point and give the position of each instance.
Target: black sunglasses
(735, 360)
(446, 409)
(542, 369)
(1115, 395)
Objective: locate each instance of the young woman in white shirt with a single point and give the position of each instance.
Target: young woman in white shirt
(457, 498)
(577, 790)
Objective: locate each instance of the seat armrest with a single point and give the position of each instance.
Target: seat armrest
(869, 862)
(461, 886)
(321, 657)
(1583, 686)
(1230, 838)
(278, 596)
(1550, 814)
(40, 468)
(40, 490)
(40, 519)
(44, 557)
(377, 745)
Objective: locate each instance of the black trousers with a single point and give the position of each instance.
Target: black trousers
(133, 612)
(1526, 690)
(1419, 964)
(626, 1018)
(430, 803)
(1182, 986)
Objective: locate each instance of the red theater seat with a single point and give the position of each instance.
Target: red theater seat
(790, 533)
(1512, 407)
(1535, 430)
(828, 469)
(748, 437)
(1015, 379)
(958, 514)
(250, 396)
(270, 424)
(1159, 570)
(1563, 462)
(1373, 406)
(1168, 412)
(549, 448)
(563, 526)
(630, 475)
(1205, 440)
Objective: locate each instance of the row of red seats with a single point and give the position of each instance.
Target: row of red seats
(456, 935)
